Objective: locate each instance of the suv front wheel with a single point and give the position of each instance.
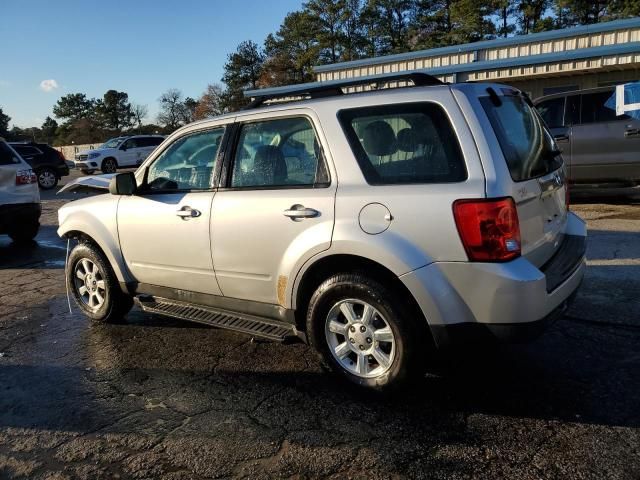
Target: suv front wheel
(109, 165)
(94, 285)
(362, 330)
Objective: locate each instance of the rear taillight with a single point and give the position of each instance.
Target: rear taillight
(25, 177)
(489, 229)
(566, 194)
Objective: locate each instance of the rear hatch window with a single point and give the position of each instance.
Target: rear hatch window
(7, 155)
(527, 145)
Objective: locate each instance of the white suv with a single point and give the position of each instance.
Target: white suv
(374, 225)
(118, 152)
(19, 196)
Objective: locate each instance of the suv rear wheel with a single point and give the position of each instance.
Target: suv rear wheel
(47, 178)
(109, 165)
(362, 331)
(94, 286)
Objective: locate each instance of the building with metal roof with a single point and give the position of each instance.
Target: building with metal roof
(539, 63)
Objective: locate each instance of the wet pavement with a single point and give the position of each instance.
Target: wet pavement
(158, 398)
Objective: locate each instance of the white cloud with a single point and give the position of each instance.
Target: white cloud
(48, 85)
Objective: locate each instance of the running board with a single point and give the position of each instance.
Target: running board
(239, 322)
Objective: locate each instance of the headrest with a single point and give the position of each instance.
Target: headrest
(408, 140)
(378, 139)
(269, 165)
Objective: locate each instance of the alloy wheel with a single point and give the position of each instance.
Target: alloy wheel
(360, 338)
(47, 179)
(89, 283)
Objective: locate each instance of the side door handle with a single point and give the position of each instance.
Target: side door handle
(298, 212)
(631, 132)
(187, 212)
(561, 138)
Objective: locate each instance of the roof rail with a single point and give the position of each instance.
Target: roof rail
(334, 87)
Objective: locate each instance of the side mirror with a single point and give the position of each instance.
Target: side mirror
(123, 184)
(123, 147)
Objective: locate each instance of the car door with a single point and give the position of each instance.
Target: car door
(164, 228)
(127, 153)
(604, 146)
(275, 207)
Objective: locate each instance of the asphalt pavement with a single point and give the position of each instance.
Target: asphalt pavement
(160, 398)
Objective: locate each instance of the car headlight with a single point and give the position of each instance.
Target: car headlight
(94, 154)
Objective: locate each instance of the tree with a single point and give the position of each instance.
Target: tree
(211, 103)
(139, 113)
(115, 111)
(48, 129)
(4, 122)
(292, 52)
(171, 109)
(189, 110)
(242, 71)
(329, 15)
(74, 106)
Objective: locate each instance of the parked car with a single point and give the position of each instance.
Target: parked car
(373, 225)
(119, 152)
(48, 163)
(601, 149)
(19, 196)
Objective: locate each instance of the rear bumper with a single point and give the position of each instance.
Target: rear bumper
(512, 301)
(13, 214)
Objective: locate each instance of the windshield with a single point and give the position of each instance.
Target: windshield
(113, 143)
(526, 143)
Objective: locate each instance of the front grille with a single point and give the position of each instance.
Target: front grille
(81, 157)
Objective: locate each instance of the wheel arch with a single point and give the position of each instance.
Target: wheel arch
(329, 265)
(112, 255)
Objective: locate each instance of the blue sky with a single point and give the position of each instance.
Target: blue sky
(142, 47)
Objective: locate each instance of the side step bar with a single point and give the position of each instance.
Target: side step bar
(239, 322)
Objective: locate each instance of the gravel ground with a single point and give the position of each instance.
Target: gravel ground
(158, 398)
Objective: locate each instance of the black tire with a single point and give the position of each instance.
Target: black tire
(47, 178)
(109, 165)
(407, 361)
(116, 303)
(26, 232)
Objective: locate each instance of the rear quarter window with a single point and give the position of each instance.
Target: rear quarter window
(404, 144)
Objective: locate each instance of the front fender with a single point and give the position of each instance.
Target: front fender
(96, 217)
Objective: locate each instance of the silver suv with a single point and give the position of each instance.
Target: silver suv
(373, 225)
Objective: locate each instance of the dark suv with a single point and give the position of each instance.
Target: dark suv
(48, 163)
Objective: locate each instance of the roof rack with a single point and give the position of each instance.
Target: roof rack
(334, 87)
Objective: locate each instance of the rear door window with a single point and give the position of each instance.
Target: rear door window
(526, 143)
(594, 109)
(402, 144)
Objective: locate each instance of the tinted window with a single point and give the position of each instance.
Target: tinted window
(7, 156)
(552, 112)
(278, 153)
(410, 143)
(594, 109)
(153, 141)
(131, 143)
(527, 145)
(187, 164)
(26, 150)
